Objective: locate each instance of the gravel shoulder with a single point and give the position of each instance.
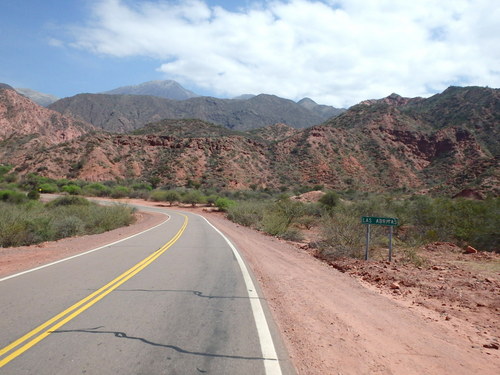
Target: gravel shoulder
(331, 322)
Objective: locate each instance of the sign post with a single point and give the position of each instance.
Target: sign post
(391, 222)
(367, 243)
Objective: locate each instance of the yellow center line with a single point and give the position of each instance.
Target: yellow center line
(86, 302)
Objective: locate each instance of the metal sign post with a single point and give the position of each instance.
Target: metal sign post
(391, 222)
(367, 241)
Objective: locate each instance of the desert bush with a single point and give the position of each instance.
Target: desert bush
(330, 200)
(12, 196)
(307, 221)
(170, 196)
(119, 192)
(68, 201)
(279, 216)
(138, 186)
(292, 234)
(68, 226)
(96, 190)
(33, 195)
(410, 255)
(48, 187)
(211, 199)
(158, 196)
(193, 197)
(342, 234)
(72, 189)
(224, 204)
(105, 218)
(247, 213)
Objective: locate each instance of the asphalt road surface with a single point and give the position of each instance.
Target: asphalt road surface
(176, 299)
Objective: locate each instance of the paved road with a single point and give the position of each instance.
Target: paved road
(173, 300)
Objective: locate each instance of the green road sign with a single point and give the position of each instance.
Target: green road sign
(390, 221)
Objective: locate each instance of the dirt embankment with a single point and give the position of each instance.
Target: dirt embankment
(371, 318)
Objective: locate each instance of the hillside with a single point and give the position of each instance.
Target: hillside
(390, 144)
(124, 113)
(26, 127)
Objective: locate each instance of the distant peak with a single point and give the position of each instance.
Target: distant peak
(307, 103)
(306, 100)
(6, 86)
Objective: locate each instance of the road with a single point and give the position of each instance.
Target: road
(176, 299)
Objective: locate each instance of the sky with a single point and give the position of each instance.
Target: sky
(336, 52)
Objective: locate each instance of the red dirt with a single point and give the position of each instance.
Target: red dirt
(371, 318)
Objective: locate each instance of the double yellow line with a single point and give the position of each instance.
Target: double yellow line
(64, 317)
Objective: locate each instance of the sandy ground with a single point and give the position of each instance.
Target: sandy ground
(332, 322)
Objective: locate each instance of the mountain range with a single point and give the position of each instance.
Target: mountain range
(124, 113)
(445, 144)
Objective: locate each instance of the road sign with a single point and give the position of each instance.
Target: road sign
(373, 220)
(389, 221)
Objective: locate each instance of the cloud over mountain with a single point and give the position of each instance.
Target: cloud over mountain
(336, 52)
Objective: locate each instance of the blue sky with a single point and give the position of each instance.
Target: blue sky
(336, 52)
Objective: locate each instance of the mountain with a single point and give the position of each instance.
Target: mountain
(123, 113)
(325, 111)
(244, 97)
(163, 89)
(445, 144)
(38, 97)
(26, 127)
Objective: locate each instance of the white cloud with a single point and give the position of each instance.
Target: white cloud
(336, 52)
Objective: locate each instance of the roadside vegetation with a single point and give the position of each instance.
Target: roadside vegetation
(26, 222)
(335, 220)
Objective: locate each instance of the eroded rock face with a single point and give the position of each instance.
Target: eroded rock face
(386, 145)
(19, 117)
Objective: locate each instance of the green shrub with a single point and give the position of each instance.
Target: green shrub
(292, 234)
(72, 189)
(48, 188)
(247, 213)
(142, 186)
(68, 201)
(172, 196)
(211, 199)
(279, 216)
(33, 195)
(96, 190)
(158, 196)
(12, 196)
(342, 235)
(330, 200)
(120, 192)
(193, 197)
(68, 226)
(224, 204)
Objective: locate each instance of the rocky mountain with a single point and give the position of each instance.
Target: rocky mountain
(26, 127)
(390, 144)
(38, 97)
(163, 89)
(123, 113)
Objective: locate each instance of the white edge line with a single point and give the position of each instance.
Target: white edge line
(87, 252)
(271, 364)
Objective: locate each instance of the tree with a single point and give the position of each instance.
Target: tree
(172, 196)
(193, 197)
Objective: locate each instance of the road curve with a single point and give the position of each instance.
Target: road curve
(176, 299)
